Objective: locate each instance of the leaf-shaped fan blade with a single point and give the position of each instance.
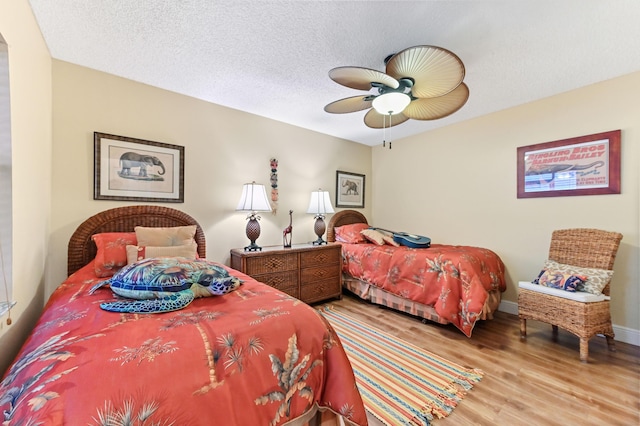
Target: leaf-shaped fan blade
(434, 108)
(375, 120)
(434, 70)
(352, 104)
(361, 78)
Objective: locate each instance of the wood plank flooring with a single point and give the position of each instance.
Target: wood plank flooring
(537, 381)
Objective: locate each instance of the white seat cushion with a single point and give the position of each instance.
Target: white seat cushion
(579, 296)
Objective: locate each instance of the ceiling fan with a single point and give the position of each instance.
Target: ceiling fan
(420, 82)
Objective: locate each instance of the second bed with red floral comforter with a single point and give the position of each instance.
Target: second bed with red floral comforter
(455, 280)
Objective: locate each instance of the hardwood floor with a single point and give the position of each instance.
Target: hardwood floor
(532, 382)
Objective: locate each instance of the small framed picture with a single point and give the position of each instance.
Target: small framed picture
(128, 169)
(349, 189)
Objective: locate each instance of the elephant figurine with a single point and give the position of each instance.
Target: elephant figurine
(133, 159)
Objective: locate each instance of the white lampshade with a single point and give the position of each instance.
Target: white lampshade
(391, 103)
(254, 198)
(320, 203)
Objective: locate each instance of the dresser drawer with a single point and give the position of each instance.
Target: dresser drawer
(320, 290)
(285, 281)
(305, 271)
(319, 273)
(271, 263)
(319, 256)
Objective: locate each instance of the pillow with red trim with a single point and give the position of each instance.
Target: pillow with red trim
(112, 251)
(350, 234)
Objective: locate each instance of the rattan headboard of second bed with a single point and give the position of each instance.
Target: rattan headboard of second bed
(81, 249)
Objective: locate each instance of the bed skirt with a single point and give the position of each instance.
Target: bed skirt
(381, 297)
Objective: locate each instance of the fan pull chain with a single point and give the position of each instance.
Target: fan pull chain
(389, 129)
(384, 130)
(384, 117)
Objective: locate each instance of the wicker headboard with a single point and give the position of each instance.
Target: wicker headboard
(82, 249)
(344, 217)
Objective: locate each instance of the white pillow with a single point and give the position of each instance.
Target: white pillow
(579, 296)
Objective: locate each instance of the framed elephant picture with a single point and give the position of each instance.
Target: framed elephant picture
(349, 189)
(128, 169)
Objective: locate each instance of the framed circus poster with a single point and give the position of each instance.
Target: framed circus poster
(128, 169)
(584, 165)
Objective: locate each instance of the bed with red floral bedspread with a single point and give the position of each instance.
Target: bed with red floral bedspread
(443, 283)
(254, 356)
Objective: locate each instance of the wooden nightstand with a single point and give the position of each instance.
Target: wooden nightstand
(307, 272)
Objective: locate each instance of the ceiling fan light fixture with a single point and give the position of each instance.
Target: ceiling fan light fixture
(419, 83)
(391, 103)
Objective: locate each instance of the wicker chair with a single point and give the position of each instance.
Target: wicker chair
(586, 248)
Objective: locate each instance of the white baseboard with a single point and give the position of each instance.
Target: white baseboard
(623, 334)
(508, 307)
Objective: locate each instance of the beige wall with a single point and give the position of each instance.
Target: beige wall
(460, 186)
(224, 148)
(30, 92)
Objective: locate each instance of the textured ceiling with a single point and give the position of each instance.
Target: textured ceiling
(271, 58)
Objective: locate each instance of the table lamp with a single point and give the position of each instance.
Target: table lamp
(253, 199)
(319, 205)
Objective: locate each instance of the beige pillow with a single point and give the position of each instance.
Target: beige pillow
(165, 237)
(135, 253)
(374, 236)
(597, 279)
(388, 239)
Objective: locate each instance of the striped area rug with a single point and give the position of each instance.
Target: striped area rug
(400, 383)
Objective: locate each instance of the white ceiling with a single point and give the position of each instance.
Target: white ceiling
(271, 58)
